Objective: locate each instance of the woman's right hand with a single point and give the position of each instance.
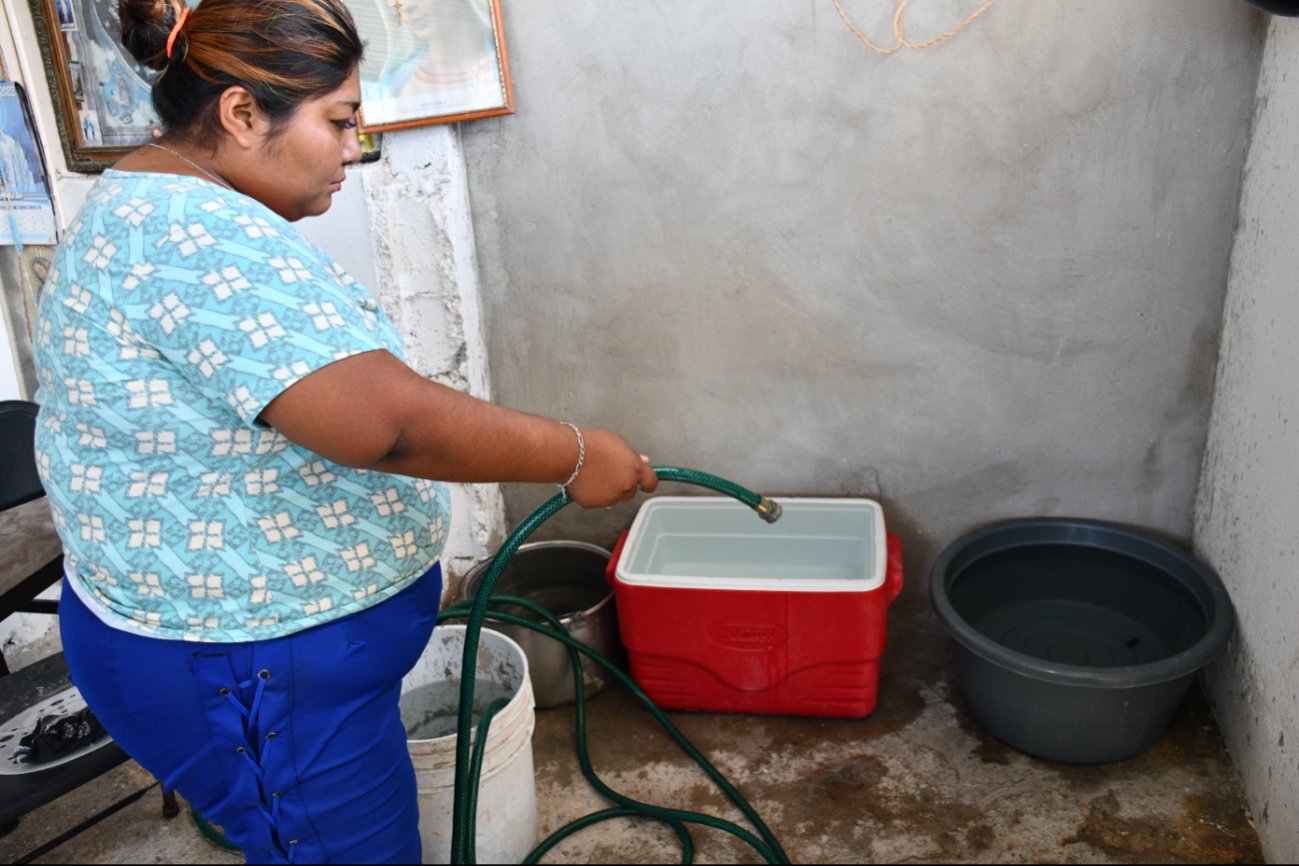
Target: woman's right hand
(612, 472)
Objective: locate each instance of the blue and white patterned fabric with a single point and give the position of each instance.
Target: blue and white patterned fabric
(174, 312)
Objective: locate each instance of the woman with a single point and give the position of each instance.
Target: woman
(235, 452)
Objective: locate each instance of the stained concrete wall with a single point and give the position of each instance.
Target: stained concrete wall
(975, 281)
(1247, 516)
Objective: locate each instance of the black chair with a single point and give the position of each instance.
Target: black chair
(31, 561)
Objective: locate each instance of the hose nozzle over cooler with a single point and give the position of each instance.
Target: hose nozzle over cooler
(768, 509)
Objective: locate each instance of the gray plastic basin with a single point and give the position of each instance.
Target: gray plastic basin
(1076, 640)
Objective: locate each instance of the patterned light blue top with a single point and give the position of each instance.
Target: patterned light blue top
(174, 312)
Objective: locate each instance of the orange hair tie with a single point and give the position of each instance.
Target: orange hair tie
(175, 31)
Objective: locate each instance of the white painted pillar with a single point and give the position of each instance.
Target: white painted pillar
(426, 274)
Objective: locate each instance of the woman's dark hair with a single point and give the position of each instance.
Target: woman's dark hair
(283, 51)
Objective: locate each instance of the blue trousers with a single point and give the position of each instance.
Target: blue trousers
(294, 746)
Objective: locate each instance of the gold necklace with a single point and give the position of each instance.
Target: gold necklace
(182, 156)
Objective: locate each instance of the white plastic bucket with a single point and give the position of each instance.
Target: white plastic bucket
(507, 793)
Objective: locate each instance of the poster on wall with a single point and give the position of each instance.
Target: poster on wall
(431, 61)
(100, 92)
(26, 211)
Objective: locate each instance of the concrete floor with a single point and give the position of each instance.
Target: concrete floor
(917, 781)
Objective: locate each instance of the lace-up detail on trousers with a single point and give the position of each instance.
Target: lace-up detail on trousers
(258, 743)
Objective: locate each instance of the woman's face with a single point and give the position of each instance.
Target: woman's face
(297, 172)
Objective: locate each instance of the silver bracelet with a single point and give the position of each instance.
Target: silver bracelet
(581, 458)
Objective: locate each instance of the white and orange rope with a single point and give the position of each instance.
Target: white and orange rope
(899, 28)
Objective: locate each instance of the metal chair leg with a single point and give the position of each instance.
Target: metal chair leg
(170, 808)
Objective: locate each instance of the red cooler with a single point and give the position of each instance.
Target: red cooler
(723, 612)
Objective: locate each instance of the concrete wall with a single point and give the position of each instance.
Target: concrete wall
(975, 281)
(1247, 516)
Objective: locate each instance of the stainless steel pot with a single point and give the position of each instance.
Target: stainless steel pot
(566, 578)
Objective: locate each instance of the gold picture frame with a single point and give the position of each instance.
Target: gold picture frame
(101, 94)
(431, 61)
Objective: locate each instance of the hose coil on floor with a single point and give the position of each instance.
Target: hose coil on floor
(469, 757)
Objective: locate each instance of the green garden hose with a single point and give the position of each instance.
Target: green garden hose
(469, 757)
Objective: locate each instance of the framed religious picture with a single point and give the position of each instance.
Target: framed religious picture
(431, 61)
(101, 94)
(26, 209)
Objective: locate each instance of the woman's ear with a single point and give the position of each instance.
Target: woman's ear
(241, 117)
